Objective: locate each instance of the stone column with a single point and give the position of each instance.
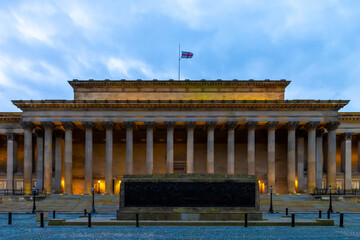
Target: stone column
(358, 165)
(58, 160)
(39, 159)
(68, 157)
(10, 161)
(170, 147)
(291, 160)
(129, 147)
(300, 162)
(331, 163)
(190, 147)
(48, 156)
(109, 157)
(28, 155)
(149, 147)
(348, 182)
(251, 147)
(210, 146)
(271, 155)
(311, 127)
(88, 156)
(231, 148)
(319, 158)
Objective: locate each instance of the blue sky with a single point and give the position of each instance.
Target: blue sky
(315, 44)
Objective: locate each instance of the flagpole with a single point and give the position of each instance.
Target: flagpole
(179, 64)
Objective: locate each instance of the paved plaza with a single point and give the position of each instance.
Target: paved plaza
(25, 227)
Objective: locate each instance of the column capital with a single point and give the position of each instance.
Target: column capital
(190, 124)
(170, 124)
(27, 125)
(312, 125)
(68, 125)
(251, 125)
(320, 132)
(129, 125)
(231, 125)
(88, 125)
(292, 125)
(10, 136)
(47, 124)
(332, 126)
(150, 125)
(211, 124)
(39, 132)
(348, 136)
(108, 125)
(272, 125)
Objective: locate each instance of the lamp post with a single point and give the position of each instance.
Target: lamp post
(93, 211)
(330, 201)
(271, 210)
(34, 193)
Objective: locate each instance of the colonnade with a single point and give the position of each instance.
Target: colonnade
(314, 154)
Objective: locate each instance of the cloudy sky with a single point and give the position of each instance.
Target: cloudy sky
(315, 44)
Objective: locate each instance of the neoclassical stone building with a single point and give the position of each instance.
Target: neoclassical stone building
(112, 128)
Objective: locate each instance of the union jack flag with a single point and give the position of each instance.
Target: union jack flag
(186, 54)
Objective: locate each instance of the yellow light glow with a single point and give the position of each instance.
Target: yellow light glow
(99, 181)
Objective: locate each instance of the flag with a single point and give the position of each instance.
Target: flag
(186, 54)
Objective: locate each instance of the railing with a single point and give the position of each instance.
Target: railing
(7, 192)
(325, 191)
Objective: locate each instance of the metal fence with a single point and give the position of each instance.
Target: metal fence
(325, 191)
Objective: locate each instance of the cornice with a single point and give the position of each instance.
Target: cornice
(287, 105)
(10, 117)
(164, 83)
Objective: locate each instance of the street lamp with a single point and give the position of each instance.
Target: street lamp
(271, 210)
(330, 201)
(34, 193)
(93, 211)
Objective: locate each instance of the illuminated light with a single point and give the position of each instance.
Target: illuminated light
(143, 139)
(161, 140)
(99, 181)
(277, 194)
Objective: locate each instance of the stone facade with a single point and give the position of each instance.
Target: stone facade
(113, 128)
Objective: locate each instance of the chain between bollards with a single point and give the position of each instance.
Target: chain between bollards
(42, 220)
(89, 220)
(292, 220)
(137, 219)
(246, 220)
(9, 218)
(341, 220)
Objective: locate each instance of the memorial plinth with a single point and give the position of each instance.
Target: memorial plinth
(189, 197)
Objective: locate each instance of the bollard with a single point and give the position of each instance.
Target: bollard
(319, 213)
(328, 214)
(286, 211)
(10, 218)
(292, 220)
(42, 220)
(54, 214)
(137, 220)
(341, 220)
(85, 212)
(246, 220)
(89, 220)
